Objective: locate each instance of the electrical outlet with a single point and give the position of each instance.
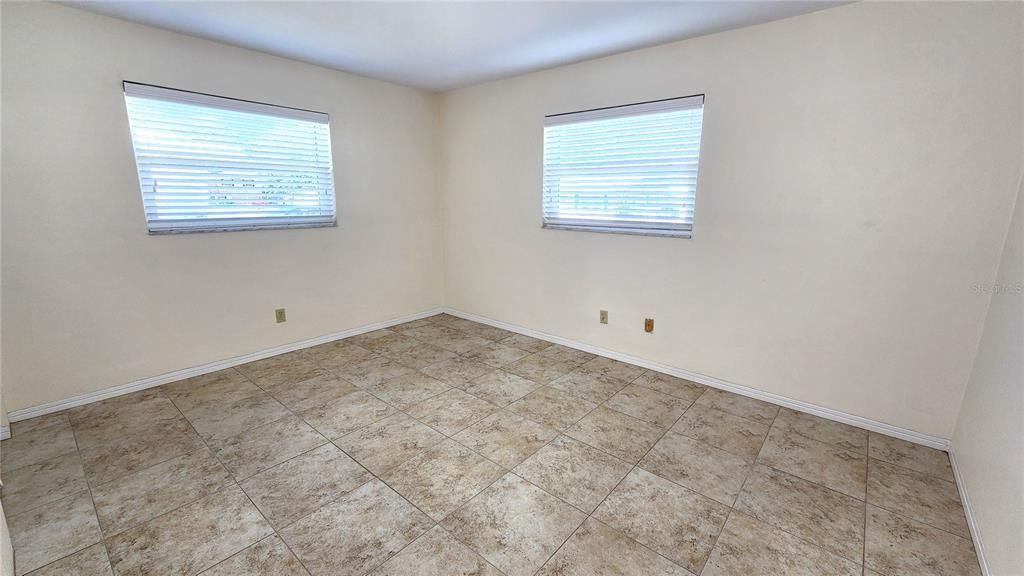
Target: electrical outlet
(604, 316)
(280, 315)
(649, 325)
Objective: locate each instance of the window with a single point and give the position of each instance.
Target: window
(208, 163)
(629, 169)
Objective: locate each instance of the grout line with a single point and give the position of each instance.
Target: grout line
(237, 483)
(614, 488)
(506, 471)
(718, 383)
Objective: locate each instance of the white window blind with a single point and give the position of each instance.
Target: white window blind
(207, 163)
(626, 169)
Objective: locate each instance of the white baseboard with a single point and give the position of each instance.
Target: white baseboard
(160, 379)
(829, 413)
(972, 522)
(866, 423)
(5, 432)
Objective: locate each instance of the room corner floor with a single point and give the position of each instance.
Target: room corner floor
(443, 446)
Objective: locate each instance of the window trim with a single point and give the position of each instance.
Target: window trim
(609, 112)
(155, 92)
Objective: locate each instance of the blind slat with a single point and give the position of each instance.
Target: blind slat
(623, 169)
(209, 163)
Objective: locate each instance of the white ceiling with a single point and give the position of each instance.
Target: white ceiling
(443, 45)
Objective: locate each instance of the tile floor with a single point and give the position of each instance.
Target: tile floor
(442, 446)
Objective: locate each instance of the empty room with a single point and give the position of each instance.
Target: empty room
(468, 288)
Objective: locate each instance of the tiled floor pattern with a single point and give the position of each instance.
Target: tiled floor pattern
(442, 446)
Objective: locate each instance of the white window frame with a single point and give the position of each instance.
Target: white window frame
(206, 224)
(676, 230)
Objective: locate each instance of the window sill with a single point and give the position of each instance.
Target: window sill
(174, 231)
(614, 230)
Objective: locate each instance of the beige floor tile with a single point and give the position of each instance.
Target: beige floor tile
(679, 387)
(37, 446)
(189, 539)
(127, 409)
(596, 548)
(566, 354)
(749, 408)
(748, 546)
(431, 333)
(303, 484)
(366, 338)
(366, 373)
(524, 342)
(408, 390)
(423, 355)
(392, 344)
(341, 354)
(402, 328)
(436, 553)
(456, 322)
(830, 432)
(500, 388)
(282, 369)
(216, 386)
(34, 485)
(457, 372)
(918, 496)
(574, 472)
(829, 519)
(673, 521)
(52, 531)
(497, 355)
(266, 446)
(113, 419)
(913, 456)
(606, 367)
(821, 463)
(39, 423)
(321, 352)
(443, 477)
(731, 433)
(539, 368)
(506, 438)
(127, 454)
(898, 546)
(134, 499)
(387, 443)
(460, 342)
(698, 466)
(552, 407)
(618, 434)
(301, 396)
(268, 557)
(488, 332)
(452, 411)
(91, 561)
(219, 420)
(514, 525)
(333, 541)
(348, 413)
(648, 405)
(591, 387)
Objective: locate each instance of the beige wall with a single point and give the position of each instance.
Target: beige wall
(989, 439)
(857, 171)
(91, 301)
(855, 181)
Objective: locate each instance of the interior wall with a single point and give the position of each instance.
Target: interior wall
(989, 439)
(6, 547)
(91, 301)
(858, 166)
